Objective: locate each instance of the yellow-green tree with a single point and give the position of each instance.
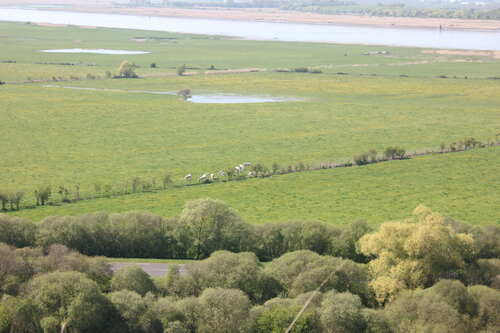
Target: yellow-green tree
(415, 253)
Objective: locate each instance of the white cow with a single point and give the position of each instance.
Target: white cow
(188, 177)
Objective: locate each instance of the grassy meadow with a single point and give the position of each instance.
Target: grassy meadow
(59, 136)
(463, 185)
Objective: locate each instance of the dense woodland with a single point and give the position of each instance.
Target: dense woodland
(428, 273)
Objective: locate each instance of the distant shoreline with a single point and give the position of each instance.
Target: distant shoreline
(271, 15)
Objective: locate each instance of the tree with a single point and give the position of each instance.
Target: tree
(181, 70)
(394, 152)
(208, 225)
(74, 301)
(224, 311)
(415, 253)
(424, 311)
(166, 180)
(228, 270)
(16, 231)
(487, 318)
(136, 311)
(341, 312)
(304, 271)
(42, 195)
(132, 278)
(126, 70)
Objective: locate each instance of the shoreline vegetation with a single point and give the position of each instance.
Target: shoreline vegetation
(275, 16)
(45, 195)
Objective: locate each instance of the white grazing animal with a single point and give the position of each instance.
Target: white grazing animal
(188, 176)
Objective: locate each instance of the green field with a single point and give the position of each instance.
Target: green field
(463, 185)
(55, 136)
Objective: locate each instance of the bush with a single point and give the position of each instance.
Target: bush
(126, 70)
(301, 70)
(132, 278)
(394, 152)
(361, 159)
(181, 70)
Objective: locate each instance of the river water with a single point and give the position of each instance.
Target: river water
(431, 38)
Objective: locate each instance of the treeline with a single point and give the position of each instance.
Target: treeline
(203, 227)
(398, 11)
(43, 195)
(427, 273)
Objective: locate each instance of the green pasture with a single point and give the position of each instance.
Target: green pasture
(23, 42)
(463, 185)
(58, 136)
(72, 137)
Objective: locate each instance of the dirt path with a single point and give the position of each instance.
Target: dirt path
(153, 269)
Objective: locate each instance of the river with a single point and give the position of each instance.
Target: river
(429, 38)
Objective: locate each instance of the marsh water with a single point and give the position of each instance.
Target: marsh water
(431, 38)
(94, 51)
(234, 99)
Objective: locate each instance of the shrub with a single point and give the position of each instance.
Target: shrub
(181, 70)
(126, 70)
(394, 152)
(301, 70)
(361, 159)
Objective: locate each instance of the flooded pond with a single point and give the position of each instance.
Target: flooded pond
(205, 98)
(95, 51)
(235, 99)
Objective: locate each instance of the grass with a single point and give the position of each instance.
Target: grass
(64, 137)
(463, 185)
(22, 43)
(87, 137)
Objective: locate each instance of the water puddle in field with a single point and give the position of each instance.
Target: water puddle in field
(235, 99)
(197, 98)
(96, 51)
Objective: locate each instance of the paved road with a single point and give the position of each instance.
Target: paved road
(153, 269)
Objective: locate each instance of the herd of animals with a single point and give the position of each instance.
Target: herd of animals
(211, 177)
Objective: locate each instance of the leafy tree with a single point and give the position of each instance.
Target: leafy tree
(126, 70)
(303, 271)
(277, 318)
(16, 231)
(132, 278)
(42, 195)
(207, 225)
(341, 312)
(228, 270)
(136, 311)
(181, 70)
(424, 311)
(394, 152)
(415, 254)
(224, 311)
(487, 318)
(74, 301)
(166, 180)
